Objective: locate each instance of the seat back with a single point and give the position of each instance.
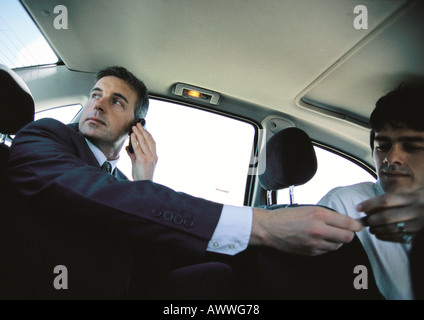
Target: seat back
(290, 161)
(17, 109)
(17, 106)
(4, 157)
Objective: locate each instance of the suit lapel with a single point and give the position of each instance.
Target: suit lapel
(85, 153)
(88, 156)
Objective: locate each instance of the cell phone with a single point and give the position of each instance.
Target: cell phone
(142, 121)
(364, 221)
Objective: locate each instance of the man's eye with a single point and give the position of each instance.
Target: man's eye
(94, 95)
(412, 148)
(118, 102)
(382, 147)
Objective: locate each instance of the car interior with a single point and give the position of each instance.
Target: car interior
(302, 73)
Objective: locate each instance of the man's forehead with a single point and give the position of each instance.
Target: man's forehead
(398, 131)
(115, 84)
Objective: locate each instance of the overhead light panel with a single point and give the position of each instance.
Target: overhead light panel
(191, 92)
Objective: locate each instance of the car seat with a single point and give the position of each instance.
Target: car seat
(17, 111)
(290, 161)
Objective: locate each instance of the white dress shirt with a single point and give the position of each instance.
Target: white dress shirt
(232, 233)
(101, 158)
(389, 260)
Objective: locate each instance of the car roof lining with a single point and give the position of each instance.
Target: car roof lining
(169, 40)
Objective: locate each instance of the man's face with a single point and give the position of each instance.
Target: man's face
(399, 158)
(108, 115)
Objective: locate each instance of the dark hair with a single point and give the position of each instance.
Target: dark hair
(402, 107)
(142, 104)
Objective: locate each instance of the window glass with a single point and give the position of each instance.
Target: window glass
(200, 153)
(21, 42)
(64, 114)
(333, 171)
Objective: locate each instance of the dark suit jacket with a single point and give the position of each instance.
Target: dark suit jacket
(93, 222)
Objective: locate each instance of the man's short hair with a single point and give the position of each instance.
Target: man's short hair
(402, 107)
(142, 104)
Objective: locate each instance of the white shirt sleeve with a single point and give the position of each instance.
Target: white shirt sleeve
(233, 231)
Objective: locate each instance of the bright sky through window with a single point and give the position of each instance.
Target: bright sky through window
(21, 43)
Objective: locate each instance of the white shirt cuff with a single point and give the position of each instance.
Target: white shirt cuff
(232, 234)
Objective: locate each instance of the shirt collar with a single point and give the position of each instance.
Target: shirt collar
(101, 158)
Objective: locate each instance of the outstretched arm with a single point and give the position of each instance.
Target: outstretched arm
(305, 230)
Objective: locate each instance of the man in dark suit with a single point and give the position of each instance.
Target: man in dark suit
(98, 220)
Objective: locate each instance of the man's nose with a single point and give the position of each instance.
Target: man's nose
(100, 105)
(394, 156)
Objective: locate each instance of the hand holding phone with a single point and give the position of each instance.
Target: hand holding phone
(143, 156)
(142, 121)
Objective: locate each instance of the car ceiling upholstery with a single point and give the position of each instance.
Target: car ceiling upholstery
(301, 59)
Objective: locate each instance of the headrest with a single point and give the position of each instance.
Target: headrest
(290, 160)
(17, 105)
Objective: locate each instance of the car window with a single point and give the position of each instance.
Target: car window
(333, 171)
(64, 114)
(21, 42)
(201, 153)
